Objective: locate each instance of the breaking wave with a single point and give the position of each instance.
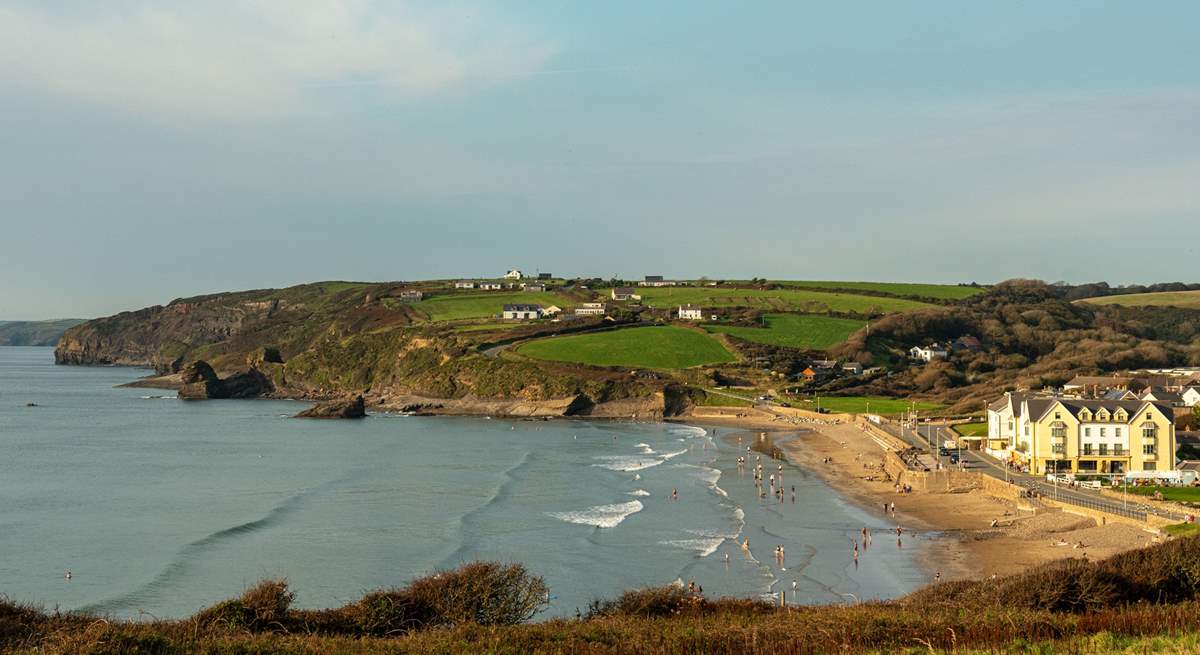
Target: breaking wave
(600, 516)
(704, 546)
(627, 463)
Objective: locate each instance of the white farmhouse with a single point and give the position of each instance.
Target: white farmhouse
(490, 286)
(928, 353)
(691, 313)
(464, 284)
(514, 275)
(522, 312)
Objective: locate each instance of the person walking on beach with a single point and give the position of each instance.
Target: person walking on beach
(893, 509)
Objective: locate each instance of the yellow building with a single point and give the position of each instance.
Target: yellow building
(1069, 435)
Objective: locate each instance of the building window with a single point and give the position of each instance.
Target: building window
(1149, 430)
(1103, 448)
(1027, 429)
(1087, 432)
(1102, 432)
(1057, 415)
(1088, 448)
(1117, 432)
(1058, 448)
(1148, 449)
(1149, 466)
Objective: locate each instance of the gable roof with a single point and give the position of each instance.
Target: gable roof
(1039, 407)
(1097, 380)
(522, 308)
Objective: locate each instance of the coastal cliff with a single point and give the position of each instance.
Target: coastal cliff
(337, 340)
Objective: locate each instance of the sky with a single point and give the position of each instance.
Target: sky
(155, 150)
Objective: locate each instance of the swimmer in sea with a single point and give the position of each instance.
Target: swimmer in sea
(674, 493)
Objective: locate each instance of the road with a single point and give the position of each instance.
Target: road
(929, 436)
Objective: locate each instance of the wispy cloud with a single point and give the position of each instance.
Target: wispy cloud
(258, 58)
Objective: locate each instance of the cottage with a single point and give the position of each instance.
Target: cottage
(1191, 396)
(411, 295)
(1068, 435)
(928, 353)
(853, 368)
(691, 313)
(966, 343)
(1160, 395)
(625, 293)
(536, 288)
(464, 284)
(522, 312)
(591, 309)
(514, 274)
(490, 286)
(552, 310)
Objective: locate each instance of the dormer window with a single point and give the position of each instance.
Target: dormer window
(1085, 415)
(1120, 415)
(1102, 415)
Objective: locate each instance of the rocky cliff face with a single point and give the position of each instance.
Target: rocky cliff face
(334, 341)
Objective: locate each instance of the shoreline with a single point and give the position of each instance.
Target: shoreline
(966, 546)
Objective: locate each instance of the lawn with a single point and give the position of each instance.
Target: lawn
(1185, 299)
(1185, 494)
(866, 404)
(939, 291)
(453, 307)
(649, 347)
(972, 429)
(806, 332)
(782, 300)
(718, 400)
(1182, 529)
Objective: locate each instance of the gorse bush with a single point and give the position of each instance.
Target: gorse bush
(487, 593)
(649, 602)
(261, 607)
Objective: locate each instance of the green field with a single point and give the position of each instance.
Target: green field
(455, 307)
(806, 332)
(865, 404)
(1185, 299)
(972, 429)
(719, 400)
(1183, 494)
(650, 347)
(782, 300)
(939, 291)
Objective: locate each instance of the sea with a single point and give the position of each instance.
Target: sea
(160, 507)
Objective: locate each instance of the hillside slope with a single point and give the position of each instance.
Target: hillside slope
(334, 339)
(35, 333)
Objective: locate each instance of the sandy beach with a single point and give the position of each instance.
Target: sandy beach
(971, 548)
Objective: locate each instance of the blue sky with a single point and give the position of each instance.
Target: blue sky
(151, 150)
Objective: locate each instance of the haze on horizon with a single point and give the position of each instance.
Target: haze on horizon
(153, 150)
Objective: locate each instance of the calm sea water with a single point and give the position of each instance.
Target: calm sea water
(165, 506)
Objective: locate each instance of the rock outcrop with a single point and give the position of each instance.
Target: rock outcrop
(356, 408)
(201, 382)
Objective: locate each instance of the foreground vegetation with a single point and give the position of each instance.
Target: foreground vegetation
(801, 331)
(1176, 494)
(1145, 598)
(649, 347)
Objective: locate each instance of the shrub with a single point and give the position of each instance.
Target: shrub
(649, 602)
(260, 607)
(389, 612)
(487, 593)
